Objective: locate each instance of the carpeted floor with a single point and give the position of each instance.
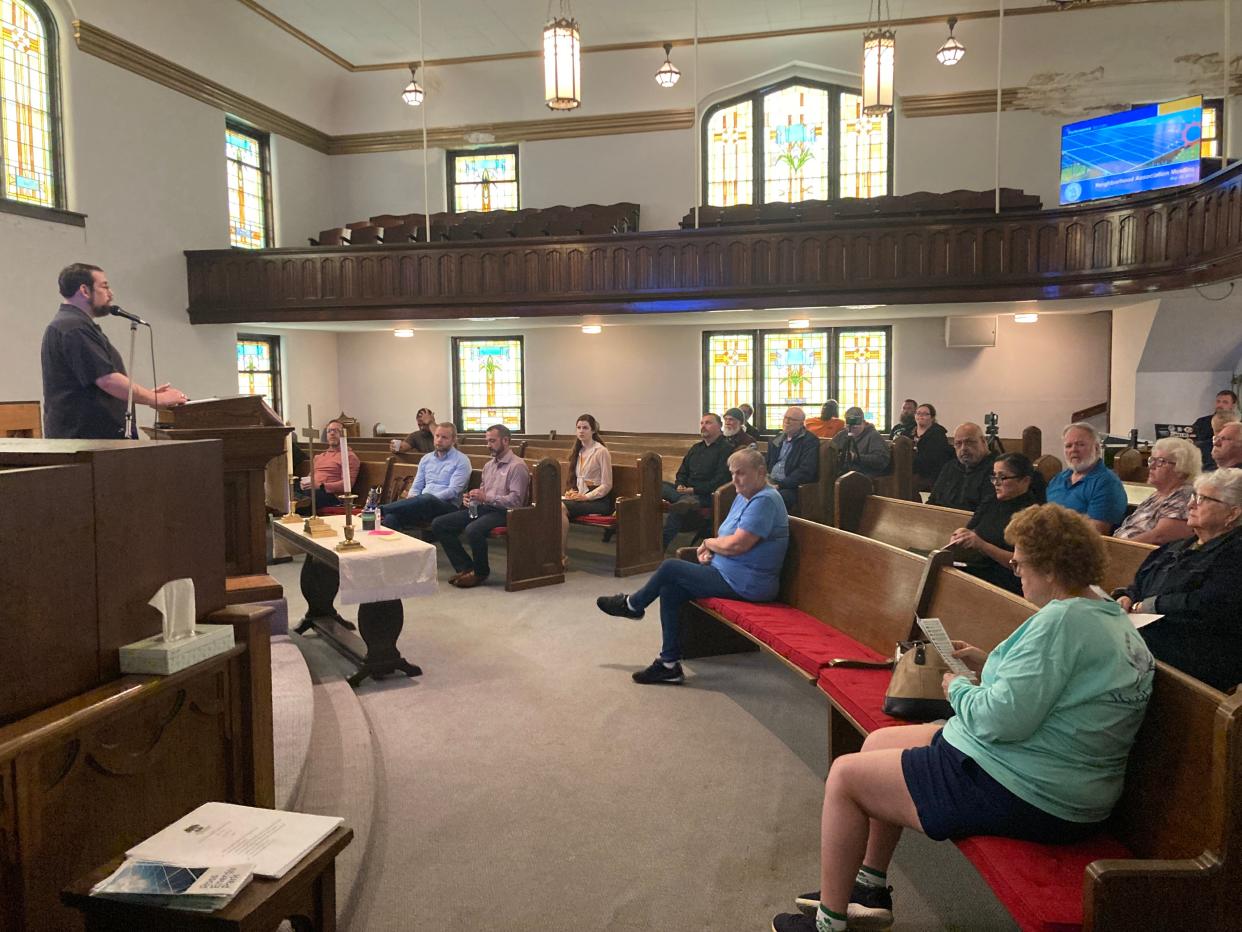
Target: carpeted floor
(525, 783)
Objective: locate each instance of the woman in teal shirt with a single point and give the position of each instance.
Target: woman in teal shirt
(1036, 749)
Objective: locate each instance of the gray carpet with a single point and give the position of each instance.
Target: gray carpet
(524, 782)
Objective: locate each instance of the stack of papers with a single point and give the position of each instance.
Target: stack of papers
(223, 834)
(200, 889)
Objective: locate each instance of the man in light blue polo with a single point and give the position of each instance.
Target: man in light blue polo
(1088, 486)
(442, 476)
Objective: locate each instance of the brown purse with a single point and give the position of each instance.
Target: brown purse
(914, 692)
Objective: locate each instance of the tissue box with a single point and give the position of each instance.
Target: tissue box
(155, 655)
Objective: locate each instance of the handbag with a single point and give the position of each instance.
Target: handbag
(914, 692)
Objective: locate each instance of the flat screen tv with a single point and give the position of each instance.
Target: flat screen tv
(1141, 149)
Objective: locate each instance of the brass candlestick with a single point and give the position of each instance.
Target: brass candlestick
(315, 526)
(349, 543)
(292, 517)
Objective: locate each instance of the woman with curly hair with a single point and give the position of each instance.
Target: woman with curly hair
(1035, 750)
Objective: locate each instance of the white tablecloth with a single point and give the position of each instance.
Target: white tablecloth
(390, 565)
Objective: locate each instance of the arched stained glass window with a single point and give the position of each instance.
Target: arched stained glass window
(28, 104)
(815, 144)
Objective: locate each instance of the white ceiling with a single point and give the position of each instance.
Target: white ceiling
(375, 31)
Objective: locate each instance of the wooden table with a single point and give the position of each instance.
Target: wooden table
(410, 568)
(306, 896)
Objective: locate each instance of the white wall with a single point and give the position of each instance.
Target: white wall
(1131, 329)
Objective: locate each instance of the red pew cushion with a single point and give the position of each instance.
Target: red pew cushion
(501, 531)
(1040, 885)
(596, 520)
(860, 693)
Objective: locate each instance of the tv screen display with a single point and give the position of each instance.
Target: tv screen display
(1148, 147)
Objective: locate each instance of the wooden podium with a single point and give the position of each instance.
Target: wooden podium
(253, 434)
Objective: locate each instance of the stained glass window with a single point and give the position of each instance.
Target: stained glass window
(795, 144)
(730, 156)
(246, 154)
(813, 143)
(862, 373)
(1211, 129)
(795, 372)
(864, 150)
(28, 131)
(258, 368)
(487, 383)
(483, 179)
(730, 370)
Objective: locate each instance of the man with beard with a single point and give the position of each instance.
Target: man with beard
(1088, 486)
(422, 439)
(734, 429)
(703, 470)
(905, 424)
(966, 481)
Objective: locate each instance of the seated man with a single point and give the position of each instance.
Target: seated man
(748, 418)
(828, 424)
(860, 446)
(505, 485)
(905, 423)
(744, 562)
(326, 478)
(422, 439)
(1226, 403)
(442, 476)
(1088, 486)
(734, 429)
(1227, 446)
(966, 481)
(703, 470)
(793, 457)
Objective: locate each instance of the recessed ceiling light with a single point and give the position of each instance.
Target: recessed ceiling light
(799, 323)
(1025, 318)
(861, 307)
(592, 328)
(404, 333)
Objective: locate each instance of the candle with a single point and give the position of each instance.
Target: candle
(345, 461)
(289, 452)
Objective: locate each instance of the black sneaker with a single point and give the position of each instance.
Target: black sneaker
(870, 907)
(793, 922)
(658, 673)
(617, 605)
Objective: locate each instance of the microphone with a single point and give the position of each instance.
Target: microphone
(117, 312)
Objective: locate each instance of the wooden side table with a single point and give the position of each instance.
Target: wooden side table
(306, 896)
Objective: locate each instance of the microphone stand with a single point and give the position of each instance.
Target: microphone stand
(131, 418)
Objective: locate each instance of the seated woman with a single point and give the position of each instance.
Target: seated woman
(590, 478)
(1161, 518)
(743, 562)
(932, 447)
(1036, 749)
(981, 543)
(1196, 584)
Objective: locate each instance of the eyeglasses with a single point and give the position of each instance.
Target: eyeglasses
(1197, 498)
(1160, 461)
(1016, 565)
(997, 478)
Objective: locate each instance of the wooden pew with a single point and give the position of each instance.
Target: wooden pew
(638, 519)
(533, 531)
(20, 419)
(815, 499)
(899, 481)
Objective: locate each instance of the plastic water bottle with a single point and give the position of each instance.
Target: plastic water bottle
(473, 508)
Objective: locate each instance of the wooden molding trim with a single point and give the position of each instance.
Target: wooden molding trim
(933, 105)
(340, 60)
(134, 58)
(447, 137)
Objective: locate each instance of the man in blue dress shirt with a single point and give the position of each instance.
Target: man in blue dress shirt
(1088, 486)
(442, 476)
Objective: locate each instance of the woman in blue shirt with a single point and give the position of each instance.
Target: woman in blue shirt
(1036, 749)
(742, 562)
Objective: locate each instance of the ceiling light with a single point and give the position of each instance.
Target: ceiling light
(405, 333)
(952, 51)
(668, 75)
(562, 65)
(861, 307)
(1025, 318)
(592, 328)
(879, 52)
(413, 93)
(799, 323)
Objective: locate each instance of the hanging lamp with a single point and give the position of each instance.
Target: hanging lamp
(413, 93)
(952, 51)
(562, 60)
(668, 75)
(879, 52)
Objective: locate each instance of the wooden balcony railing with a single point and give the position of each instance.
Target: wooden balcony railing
(1187, 236)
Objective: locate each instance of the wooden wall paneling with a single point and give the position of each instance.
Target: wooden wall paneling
(1102, 244)
(1128, 246)
(992, 254)
(1175, 234)
(885, 261)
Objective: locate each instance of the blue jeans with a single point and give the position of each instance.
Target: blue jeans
(411, 512)
(675, 583)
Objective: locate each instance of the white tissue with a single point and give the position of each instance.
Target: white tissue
(175, 601)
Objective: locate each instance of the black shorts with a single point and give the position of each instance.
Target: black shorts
(956, 798)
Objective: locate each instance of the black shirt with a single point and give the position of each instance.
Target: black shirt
(989, 522)
(705, 469)
(1203, 440)
(75, 353)
(931, 452)
(959, 487)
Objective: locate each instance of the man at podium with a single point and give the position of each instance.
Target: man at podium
(84, 380)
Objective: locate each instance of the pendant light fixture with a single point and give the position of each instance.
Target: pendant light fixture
(952, 51)
(562, 65)
(413, 93)
(879, 52)
(668, 75)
